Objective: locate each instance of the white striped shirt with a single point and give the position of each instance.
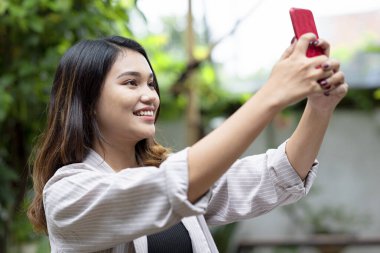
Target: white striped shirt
(91, 208)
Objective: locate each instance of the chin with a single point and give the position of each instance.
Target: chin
(149, 134)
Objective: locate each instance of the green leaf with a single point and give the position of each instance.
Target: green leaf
(37, 33)
(4, 5)
(245, 97)
(376, 94)
(36, 24)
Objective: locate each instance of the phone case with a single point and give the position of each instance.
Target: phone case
(303, 22)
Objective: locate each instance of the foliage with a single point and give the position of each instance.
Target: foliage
(374, 47)
(356, 99)
(168, 58)
(33, 36)
(222, 236)
(361, 99)
(168, 62)
(323, 219)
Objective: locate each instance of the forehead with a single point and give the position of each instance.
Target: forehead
(129, 60)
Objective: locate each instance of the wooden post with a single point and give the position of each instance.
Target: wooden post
(193, 117)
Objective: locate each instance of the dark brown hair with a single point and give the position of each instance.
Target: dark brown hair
(71, 127)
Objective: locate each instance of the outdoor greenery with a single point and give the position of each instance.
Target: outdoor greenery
(33, 36)
(326, 219)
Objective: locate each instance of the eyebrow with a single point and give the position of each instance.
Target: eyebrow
(133, 73)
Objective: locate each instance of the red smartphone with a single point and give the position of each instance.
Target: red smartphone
(303, 22)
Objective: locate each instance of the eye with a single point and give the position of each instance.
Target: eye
(152, 84)
(130, 82)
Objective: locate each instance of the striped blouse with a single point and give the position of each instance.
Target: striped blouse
(91, 208)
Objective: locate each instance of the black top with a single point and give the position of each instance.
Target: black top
(176, 239)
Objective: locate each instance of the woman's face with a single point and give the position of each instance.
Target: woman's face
(128, 102)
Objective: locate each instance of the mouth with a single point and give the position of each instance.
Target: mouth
(144, 113)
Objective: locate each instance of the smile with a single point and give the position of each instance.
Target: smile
(144, 113)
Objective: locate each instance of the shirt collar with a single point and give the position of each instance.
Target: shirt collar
(97, 162)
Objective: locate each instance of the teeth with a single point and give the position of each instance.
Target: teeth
(145, 113)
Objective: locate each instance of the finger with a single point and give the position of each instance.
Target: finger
(337, 79)
(340, 90)
(290, 49)
(332, 82)
(331, 65)
(303, 43)
(317, 62)
(324, 45)
(325, 82)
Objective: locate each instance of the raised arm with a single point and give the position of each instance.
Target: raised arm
(303, 146)
(293, 78)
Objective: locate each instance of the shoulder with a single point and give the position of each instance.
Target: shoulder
(73, 169)
(71, 173)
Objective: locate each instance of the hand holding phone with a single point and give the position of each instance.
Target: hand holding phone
(303, 22)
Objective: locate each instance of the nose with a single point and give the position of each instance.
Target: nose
(149, 96)
(147, 99)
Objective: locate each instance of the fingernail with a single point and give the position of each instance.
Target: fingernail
(323, 82)
(325, 65)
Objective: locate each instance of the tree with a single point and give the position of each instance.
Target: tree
(33, 36)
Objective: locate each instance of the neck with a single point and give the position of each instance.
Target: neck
(117, 156)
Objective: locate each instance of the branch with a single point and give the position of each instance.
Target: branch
(177, 86)
(139, 11)
(236, 25)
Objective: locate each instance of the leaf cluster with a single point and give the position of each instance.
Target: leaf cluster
(33, 36)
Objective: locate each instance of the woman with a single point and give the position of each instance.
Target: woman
(103, 184)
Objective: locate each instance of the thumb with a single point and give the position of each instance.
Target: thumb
(304, 42)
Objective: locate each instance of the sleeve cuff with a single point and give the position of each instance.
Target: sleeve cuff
(286, 176)
(177, 178)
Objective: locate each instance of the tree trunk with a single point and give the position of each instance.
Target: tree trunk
(193, 116)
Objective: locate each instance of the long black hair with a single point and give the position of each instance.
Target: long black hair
(72, 128)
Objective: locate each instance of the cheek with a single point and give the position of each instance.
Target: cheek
(104, 105)
(102, 110)
(107, 110)
(156, 99)
(158, 102)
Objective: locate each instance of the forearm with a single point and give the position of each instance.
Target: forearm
(292, 79)
(303, 146)
(213, 155)
(268, 181)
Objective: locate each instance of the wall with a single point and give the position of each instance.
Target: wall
(348, 178)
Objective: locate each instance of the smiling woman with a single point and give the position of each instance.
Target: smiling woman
(125, 112)
(103, 184)
(85, 81)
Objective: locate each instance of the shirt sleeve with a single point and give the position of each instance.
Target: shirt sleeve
(87, 210)
(255, 185)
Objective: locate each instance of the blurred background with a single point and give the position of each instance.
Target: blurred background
(210, 57)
